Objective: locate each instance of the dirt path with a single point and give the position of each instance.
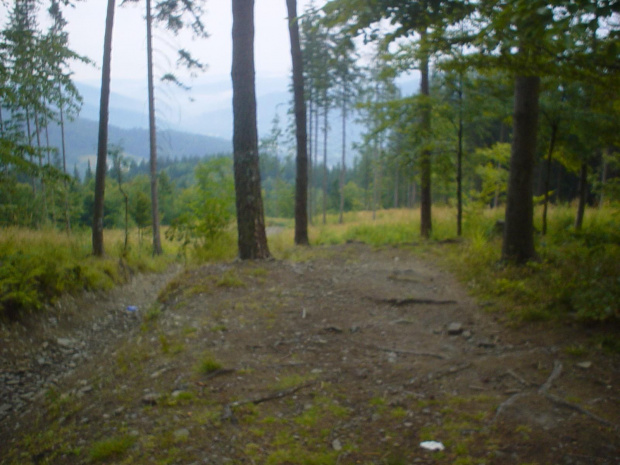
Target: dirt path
(353, 355)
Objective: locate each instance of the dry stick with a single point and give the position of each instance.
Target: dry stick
(403, 302)
(519, 378)
(268, 397)
(407, 352)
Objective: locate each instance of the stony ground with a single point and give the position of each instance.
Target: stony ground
(345, 355)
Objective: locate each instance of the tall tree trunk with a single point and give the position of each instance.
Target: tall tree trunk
(604, 170)
(459, 166)
(157, 250)
(344, 154)
(396, 187)
(546, 187)
(583, 195)
(311, 150)
(37, 128)
(425, 156)
(102, 144)
(301, 180)
(518, 245)
(325, 123)
(64, 169)
(502, 138)
(250, 217)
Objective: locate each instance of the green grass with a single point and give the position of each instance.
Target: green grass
(113, 448)
(207, 364)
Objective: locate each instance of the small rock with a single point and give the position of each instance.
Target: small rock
(181, 434)
(336, 445)
(158, 373)
(585, 365)
(176, 393)
(65, 342)
(466, 334)
(354, 329)
(486, 344)
(150, 399)
(454, 329)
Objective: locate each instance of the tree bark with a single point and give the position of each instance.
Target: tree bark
(518, 245)
(547, 185)
(583, 195)
(344, 153)
(301, 181)
(102, 144)
(425, 156)
(459, 166)
(157, 250)
(252, 239)
(325, 123)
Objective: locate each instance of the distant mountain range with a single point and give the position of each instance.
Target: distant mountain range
(184, 127)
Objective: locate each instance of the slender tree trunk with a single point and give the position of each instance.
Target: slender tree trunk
(502, 138)
(301, 180)
(554, 131)
(459, 166)
(157, 250)
(250, 216)
(396, 187)
(49, 163)
(344, 163)
(311, 150)
(102, 144)
(518, 245)
(583, 195)
(317, 163)
(37, 132)
(325, 122)
(64, 169)
(605, 168)
(425, 156)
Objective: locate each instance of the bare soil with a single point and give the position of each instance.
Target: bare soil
(349, 355)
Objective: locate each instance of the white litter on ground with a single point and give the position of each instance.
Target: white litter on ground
(432, 445)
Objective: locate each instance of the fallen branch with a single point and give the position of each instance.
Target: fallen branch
(407, 352)
(519, 378)
(412, 301)
(507, 403)
(269, 397)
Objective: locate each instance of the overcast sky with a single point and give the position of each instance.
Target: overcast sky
(86, 29)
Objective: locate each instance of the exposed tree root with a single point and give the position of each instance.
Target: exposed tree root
(407, 352)
(544, 391)
(411, 301)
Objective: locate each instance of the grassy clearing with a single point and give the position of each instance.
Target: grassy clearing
(40, 266)
(576, 278)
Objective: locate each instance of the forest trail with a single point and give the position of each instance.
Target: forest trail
(347, 355)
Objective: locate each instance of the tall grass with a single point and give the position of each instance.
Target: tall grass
(37, 267)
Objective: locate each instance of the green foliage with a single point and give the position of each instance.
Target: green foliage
(208, 206)
(113, 448)
(493, 172)
(38, 267)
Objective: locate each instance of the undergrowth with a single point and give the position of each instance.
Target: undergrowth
(37, 267)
